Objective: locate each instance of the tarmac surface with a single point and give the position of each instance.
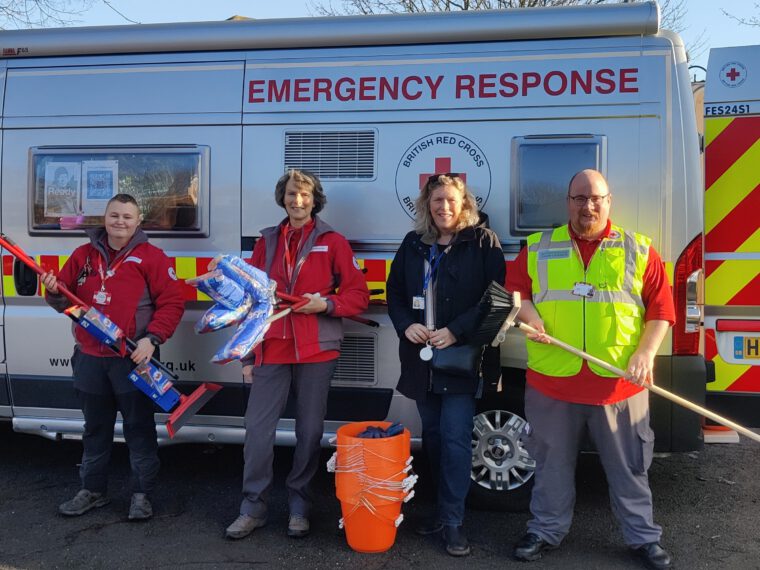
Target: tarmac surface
(707, 503)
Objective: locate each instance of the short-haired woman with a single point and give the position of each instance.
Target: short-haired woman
(436, 281)
(133, 283)
(300, 351)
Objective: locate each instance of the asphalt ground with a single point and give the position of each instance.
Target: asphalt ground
(707, 503)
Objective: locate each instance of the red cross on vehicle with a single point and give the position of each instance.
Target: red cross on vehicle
(442, 166)
(732, 74)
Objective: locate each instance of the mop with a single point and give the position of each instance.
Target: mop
(152, 378)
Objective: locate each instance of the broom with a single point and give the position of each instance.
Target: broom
(188, 405)
(496, 291)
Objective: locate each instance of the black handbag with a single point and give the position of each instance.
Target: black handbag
(458, 360)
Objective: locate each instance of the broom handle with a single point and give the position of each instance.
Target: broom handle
(19, 253)
(651, 387)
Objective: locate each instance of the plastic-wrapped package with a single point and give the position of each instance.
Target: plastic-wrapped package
(253, 280)
(243, 296)
(248, 335)
(222, 289)
(219, 316)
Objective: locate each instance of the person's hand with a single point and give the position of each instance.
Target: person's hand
(248, 374)
(50, 281)
(143, 351)
(540, 336)
(640, 367)
(442, 338)
(316, 304)
(417, 333)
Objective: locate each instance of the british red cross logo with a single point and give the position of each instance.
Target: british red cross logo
(442, 166)
(733, 74)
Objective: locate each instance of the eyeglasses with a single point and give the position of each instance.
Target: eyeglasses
(580, 201)
(435, 177)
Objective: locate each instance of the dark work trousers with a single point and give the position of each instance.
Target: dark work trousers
(447, 441)
(310, 384)
(625, 442)
(99, 419)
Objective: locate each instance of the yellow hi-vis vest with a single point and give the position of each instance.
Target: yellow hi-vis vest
(607, 324)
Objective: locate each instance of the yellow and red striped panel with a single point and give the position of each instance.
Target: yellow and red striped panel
(732, 203)
(730, 377)
(188, 267)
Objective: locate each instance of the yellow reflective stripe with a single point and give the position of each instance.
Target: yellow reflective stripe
(669, 271)
(728, 279)
(9, 286)
(715, 126)
(186, 269)
(752, 244)
(732, 187)
(725, 374)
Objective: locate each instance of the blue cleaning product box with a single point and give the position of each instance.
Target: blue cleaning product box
(152, 381)
(100, 326)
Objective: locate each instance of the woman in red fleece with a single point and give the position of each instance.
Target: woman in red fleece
(133, 283)
(300, 352)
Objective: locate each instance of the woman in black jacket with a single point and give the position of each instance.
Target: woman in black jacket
(436, 280)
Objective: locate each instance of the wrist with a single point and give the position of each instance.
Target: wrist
(154, 340)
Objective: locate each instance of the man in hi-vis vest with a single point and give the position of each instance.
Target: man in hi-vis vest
(604, 290)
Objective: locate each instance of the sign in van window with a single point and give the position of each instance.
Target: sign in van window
(71, 187)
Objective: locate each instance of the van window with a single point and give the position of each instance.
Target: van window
(542, 167)
(71, 186)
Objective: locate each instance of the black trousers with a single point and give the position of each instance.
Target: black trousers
(99, 419)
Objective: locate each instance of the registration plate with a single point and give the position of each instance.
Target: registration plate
(747, 347)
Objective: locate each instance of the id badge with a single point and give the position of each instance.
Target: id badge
(101, 298)
(584, 290)
(418, 302)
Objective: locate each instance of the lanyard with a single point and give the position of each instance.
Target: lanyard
(433, 262)
(289, 261)
(111, 271)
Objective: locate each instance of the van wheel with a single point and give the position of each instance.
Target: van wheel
(502, 469)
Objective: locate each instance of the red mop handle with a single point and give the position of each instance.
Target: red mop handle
(20, 254)
(298, 302)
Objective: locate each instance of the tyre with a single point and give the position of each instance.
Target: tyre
(502, 469)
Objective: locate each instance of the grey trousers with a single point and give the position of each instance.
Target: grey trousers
(625, 443)
(310, 384)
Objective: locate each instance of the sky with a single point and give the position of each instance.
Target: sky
(705, 22)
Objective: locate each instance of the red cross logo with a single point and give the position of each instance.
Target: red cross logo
(442, 166)
(733, 74)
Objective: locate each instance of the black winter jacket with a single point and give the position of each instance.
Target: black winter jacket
(474, 260)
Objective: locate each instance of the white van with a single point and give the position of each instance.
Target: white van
(199, 120)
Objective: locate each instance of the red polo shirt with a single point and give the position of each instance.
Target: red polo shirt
(586, 387)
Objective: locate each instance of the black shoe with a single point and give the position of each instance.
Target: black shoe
(429, 526)
(456, 541)
(530, 547)
(654, 556)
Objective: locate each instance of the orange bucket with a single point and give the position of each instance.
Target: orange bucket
(370, 511)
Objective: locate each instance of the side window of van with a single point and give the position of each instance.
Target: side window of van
(541, 168)
(71, 186)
